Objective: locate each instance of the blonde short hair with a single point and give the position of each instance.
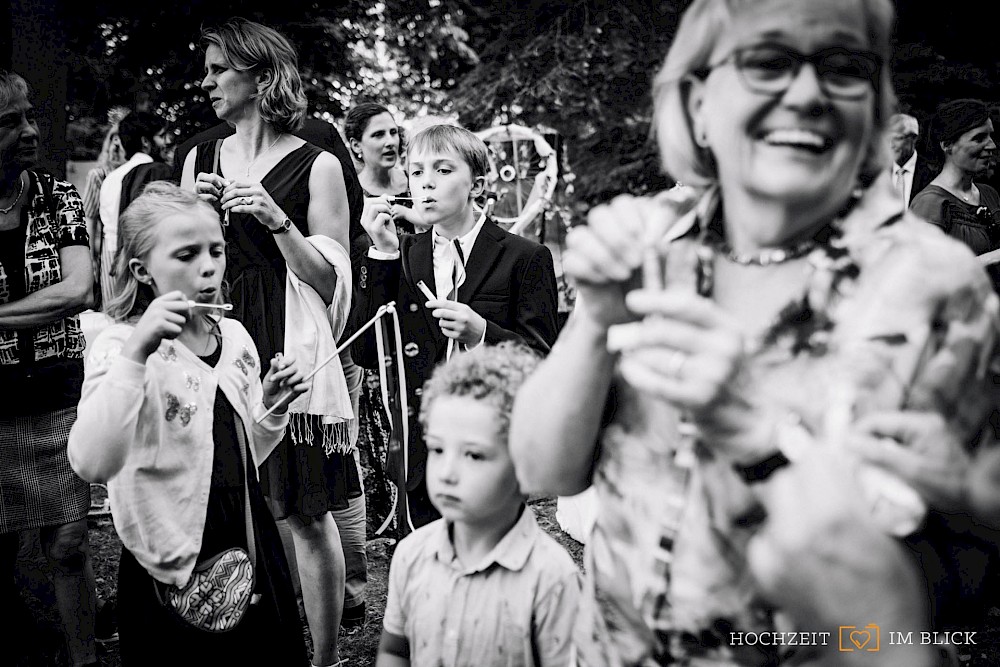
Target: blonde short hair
(252, 47)
(471, 148)
(489, 373)
(696, 38)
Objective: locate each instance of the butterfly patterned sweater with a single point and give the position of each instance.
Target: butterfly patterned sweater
(147, 429)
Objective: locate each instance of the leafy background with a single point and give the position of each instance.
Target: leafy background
(582, 68)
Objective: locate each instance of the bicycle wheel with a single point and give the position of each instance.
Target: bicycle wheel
(523, 174)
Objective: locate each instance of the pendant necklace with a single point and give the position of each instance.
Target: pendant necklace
(263, 153)
(768, 256)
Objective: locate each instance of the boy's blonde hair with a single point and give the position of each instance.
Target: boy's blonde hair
(441, 138)
(490, 373)
(137, 236)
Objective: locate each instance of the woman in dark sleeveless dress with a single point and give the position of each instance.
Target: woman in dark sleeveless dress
(275, 190)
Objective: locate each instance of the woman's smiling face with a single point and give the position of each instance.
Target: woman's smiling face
(974, 149)
(800, 146)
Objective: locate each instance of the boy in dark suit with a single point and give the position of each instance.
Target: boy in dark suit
(489, 285)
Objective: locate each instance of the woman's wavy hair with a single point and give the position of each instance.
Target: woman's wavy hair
(696, 38)
(137, 237)
(251, 47)
(12, 86)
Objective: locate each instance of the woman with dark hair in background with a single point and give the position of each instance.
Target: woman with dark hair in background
(957, 200)
(376, 143)
(282, 198)
(46, 279)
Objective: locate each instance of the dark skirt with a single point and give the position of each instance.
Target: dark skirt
(373, 441)
(38, 487)
(302, 480)
(271, 633)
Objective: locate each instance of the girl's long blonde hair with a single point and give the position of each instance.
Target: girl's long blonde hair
(137, 236)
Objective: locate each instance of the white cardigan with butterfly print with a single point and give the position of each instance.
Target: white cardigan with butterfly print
(160, 414)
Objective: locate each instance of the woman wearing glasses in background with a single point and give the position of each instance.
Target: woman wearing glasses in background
(962, 136)
(800, 305)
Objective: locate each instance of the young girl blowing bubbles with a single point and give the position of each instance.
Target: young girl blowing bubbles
(167, 388)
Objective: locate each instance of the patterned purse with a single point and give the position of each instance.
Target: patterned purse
(220, 590)
(218, 594)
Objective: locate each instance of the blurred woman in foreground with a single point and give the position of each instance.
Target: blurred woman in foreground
(787, 302)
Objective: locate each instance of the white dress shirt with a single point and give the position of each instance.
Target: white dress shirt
(111, 198)
(444, 260)
(905, 173)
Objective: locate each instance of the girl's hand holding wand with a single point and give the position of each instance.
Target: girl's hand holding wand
(284, 379)
(164, 319)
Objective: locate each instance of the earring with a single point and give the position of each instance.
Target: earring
(701, 138)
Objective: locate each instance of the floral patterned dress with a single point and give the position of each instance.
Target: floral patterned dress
(895, 315)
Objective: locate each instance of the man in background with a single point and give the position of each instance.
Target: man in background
(910, 171)
(143, 136)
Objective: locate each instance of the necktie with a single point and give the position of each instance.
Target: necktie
(901, 184)
(458, 269)
(450, 252)
(457, 278)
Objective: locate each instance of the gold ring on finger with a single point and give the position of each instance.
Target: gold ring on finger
(675, 363)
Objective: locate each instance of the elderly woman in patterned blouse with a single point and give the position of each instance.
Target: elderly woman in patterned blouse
(787, 302)
(45, 280)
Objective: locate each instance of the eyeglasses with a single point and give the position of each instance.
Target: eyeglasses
(771, 68)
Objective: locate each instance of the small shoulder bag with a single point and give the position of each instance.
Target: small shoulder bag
(220, 590)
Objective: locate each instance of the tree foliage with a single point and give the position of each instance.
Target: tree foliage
(583, 68)
(146, 54)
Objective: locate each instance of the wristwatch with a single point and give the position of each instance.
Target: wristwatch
(285, 225)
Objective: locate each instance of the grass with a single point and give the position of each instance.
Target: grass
(38, 642)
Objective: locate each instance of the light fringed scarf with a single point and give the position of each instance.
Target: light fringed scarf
(311, 332)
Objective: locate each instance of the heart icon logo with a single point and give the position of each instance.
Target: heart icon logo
(860, 638)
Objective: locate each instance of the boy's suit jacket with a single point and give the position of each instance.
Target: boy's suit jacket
(510, 282)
